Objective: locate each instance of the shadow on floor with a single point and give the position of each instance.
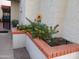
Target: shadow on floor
(21, 53)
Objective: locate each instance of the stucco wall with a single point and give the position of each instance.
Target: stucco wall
(14, 10)
(53, 12)
(30, 9)
(65, 13)
(71, 21)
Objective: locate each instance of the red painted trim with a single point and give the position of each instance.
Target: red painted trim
(15, 31)
(18, 33)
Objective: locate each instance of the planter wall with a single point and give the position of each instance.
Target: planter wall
(18, 40)
(34, 51)
(38, 49)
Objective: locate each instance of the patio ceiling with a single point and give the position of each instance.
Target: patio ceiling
(15, 0)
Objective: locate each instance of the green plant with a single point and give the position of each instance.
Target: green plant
(38, 29)
(14, 23)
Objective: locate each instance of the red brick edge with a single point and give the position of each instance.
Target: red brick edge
(64, 49)
(15, 31)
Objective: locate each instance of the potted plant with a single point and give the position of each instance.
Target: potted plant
(14, 23)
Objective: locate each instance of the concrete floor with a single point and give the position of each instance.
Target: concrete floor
(6, 50)
(21, 53)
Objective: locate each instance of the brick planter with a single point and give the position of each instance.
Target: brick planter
(48, 51)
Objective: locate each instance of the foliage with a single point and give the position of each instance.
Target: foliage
(38, 29)
(14, 23)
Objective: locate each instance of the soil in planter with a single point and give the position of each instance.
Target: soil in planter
(57, 42)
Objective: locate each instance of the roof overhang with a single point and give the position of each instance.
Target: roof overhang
(15, 0)
(5, 3)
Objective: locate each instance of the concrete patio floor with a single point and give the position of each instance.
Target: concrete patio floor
(6, 50)
(6, 47)
(21, 53)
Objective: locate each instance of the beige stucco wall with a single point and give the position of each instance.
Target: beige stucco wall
(14, 10)
(71, 21)
(53, 12)
(66, 14)
(30, 9)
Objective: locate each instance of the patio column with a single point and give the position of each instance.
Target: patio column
(30, 9)
(53, 12)
(71, 21)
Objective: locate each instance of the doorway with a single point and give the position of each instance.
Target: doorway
(6, 17)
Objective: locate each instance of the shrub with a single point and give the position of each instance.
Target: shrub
(38, 29)
(14, 23)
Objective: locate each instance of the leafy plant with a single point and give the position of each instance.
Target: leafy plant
(38, 29)
(14, 23)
